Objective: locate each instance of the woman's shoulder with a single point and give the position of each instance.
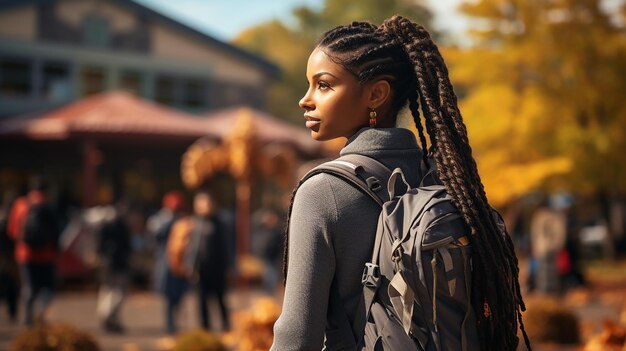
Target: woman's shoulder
(318, 187)
(328, 191)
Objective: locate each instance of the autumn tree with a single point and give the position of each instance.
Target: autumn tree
(287, 48)
(544, 95)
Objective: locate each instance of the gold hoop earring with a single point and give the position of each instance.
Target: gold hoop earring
(373, 116)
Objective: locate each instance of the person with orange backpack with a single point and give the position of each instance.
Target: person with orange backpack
(197, 249)
(160, 225)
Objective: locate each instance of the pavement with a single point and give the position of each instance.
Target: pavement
(142, 315)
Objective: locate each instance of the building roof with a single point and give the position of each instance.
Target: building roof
(262, 63)
(107, 114)
(266, 127)
(122, 115)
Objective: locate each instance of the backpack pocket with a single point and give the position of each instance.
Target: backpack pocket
(448, 281)
(383, 332)
(337, 340)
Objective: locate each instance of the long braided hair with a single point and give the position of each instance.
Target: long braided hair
(403, 53)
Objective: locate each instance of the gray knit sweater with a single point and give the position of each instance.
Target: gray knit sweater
(331, 234)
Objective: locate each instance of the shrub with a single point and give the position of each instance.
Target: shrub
(548, 320)
(198, 340)
(255, 328)
(611, 338)
(54, 337)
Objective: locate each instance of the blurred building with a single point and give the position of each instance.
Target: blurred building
(56, 51)
(63, 64)
(102, 98)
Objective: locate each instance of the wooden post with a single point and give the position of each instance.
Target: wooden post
(90, 162)
(243, 190)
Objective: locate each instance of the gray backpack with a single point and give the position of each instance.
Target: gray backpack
(416, 288)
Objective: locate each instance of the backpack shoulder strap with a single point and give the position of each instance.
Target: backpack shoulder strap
(370, 176)
(363, 172)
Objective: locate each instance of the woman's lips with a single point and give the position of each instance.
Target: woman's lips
(311, 122)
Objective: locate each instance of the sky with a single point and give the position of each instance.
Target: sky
(224, 19)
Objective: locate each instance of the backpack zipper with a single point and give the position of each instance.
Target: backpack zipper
(433, 264)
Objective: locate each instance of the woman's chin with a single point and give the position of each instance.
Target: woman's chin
(324, 137)
(316, 135)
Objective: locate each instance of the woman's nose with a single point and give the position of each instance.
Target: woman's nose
(305, 102)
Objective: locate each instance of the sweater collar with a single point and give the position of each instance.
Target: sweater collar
(370, 141)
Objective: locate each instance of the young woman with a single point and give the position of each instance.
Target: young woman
(360, 77)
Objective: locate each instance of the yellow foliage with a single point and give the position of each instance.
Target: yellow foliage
(542, 96)
(243, 146)
(611, 338)
(504, 182)
(254, 326)
(505, 130)
(201, 161)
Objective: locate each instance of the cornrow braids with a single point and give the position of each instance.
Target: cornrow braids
(403, 53)
(496, 292)
(362, 50)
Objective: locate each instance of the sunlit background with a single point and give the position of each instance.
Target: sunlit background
(125, 101)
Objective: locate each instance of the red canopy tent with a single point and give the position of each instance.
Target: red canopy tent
(112, 113)
(118, 124)
(111, 124)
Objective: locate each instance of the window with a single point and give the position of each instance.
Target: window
(16, 76)
(165, 91)
(56, 85)
(96, 31)
(92, 80)
(194, 94)
(132, 82)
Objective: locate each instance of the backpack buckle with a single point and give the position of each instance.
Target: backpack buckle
(373, 184)
(371, 275)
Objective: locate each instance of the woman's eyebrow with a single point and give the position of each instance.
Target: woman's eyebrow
(319, 74)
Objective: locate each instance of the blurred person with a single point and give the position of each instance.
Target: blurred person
(9, 273)
(267, 244)
(212, 257)
(33, 225)
(227, 219)
(361, 77)
(198, 249)
(159, 226)
(170, 286)
(142, 263)
(114, 250)
(548, 234)
(569, 257)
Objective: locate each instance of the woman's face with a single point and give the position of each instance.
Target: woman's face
(335, 104)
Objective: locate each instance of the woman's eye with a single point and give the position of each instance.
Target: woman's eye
(323, 85)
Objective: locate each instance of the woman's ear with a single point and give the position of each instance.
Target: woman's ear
(379, 93)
